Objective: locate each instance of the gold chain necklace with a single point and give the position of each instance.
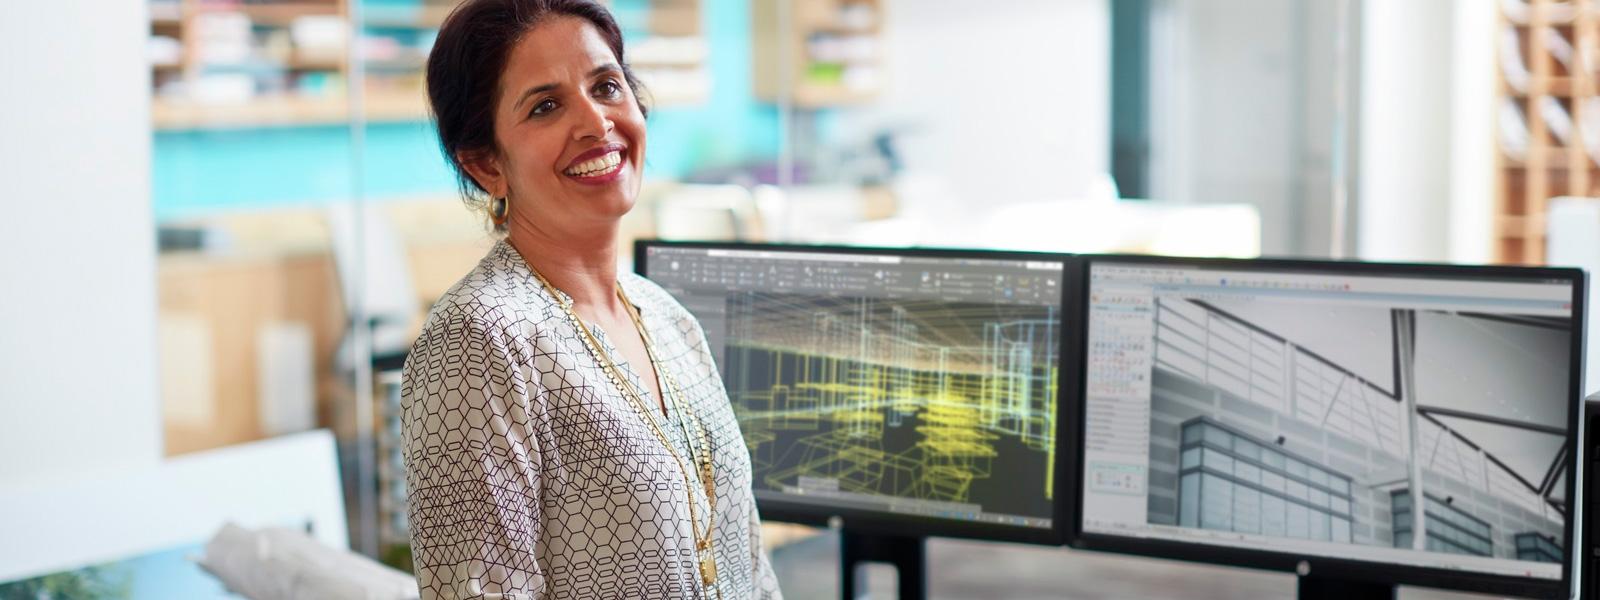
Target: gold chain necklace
(702, 543)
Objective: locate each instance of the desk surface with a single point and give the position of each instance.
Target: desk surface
(964, 569)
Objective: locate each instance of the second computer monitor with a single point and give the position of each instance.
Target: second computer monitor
(1405, 424)
(904, 391)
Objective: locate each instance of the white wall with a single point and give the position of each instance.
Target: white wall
(1008, 100)
(1403, 192)
(77, 259)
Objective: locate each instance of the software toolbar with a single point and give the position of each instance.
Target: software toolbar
(862, 275)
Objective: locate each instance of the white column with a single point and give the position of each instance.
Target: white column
(1472, 134)
(77, 251)
(1403, 188)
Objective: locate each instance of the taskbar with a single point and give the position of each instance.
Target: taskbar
(955, 511)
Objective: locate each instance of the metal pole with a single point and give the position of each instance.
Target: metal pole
(366, 478)
(786, 71)
(1405, 333)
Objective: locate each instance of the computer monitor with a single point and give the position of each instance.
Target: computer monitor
(1589, 556)
(906, 392)
(1365, 425)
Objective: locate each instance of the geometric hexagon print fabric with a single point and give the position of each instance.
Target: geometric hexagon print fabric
(530, 476)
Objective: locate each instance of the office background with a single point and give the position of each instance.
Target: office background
(186, 181)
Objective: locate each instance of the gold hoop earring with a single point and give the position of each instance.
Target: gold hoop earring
(499, 210)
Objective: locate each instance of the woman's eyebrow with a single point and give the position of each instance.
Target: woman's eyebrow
(533, 91)
(530, 92)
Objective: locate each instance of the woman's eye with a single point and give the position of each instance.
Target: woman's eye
(543, 107)
(608, 89)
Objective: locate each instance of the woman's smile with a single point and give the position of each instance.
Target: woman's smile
(598, 166)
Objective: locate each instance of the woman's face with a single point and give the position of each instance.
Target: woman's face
(569, 131)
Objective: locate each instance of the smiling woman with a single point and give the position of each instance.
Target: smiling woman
(567, 434)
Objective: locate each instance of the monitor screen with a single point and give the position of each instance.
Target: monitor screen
(1415, 418)
(917, 384)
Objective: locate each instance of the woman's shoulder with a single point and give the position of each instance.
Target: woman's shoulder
(493, 297)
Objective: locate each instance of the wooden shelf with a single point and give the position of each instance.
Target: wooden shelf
(406, 62)
(278, 13)
(1550, 157)
(286, 111)
(1555, 86)
(401, 71)
(836, 27)
(821, 96)
(645, 61)
(291, 63)
(428, 16)
(305, 63)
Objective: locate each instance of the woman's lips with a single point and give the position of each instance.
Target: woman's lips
(604, 169)
(594, 153)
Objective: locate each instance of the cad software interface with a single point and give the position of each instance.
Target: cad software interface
(1416, 421)
(912, 385)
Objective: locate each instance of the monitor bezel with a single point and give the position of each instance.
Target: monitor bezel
(882, 523)
(1331, 567)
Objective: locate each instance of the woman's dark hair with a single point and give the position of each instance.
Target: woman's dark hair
(467, 60)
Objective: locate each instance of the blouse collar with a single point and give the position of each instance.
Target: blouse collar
(506, 258)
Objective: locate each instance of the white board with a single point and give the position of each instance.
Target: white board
(286, 481)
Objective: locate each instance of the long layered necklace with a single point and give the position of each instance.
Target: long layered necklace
(702, 540)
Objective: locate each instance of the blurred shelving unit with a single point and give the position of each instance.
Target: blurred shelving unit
(231, 63)
(274, 63)
(1548, 124)
(833, 49)
(667, 49)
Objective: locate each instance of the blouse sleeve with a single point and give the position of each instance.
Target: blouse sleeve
(765, 580)
(472, 464)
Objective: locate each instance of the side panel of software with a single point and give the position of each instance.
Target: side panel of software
(1117, 414)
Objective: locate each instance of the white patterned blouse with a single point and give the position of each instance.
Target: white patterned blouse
(531, 476)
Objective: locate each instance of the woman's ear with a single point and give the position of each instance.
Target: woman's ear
(484, 167)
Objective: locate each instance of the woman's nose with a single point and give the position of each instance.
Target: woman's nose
(592, 121)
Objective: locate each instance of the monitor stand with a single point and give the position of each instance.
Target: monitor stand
(1318, 588)
(908, 555)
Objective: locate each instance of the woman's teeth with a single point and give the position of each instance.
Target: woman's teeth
(597, 166)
